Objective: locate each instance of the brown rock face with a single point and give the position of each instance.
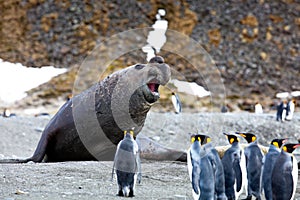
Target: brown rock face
(255, 45)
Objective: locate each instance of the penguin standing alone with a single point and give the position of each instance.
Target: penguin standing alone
(268, 165)
(127, 165)
(285, 174)
(290, 108)
(281, 111)
(254, 158)
(233, 163)
(176, 103)
(200, 170)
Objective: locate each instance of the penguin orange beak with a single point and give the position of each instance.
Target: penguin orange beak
(296, 146)
(284, 141)
(241, 134)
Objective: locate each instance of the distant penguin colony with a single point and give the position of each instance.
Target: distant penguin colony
(285, 110)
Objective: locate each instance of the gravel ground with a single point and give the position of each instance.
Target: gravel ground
(92, 180)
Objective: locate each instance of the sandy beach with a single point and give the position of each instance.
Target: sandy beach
(92, 180)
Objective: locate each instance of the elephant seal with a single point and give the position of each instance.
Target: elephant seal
(90, 125)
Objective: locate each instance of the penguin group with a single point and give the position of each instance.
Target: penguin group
(205, 169)
(127, 165)
(273, 175)
(285, 110)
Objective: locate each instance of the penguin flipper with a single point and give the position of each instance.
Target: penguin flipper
(195, 175)
(238, 174)
(196, 179)
(113, 170)
(139, 169)
(289, 182)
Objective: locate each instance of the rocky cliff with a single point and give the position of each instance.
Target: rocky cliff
(254, 43)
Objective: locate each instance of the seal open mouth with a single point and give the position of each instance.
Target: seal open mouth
(153, 87)
(150, 91)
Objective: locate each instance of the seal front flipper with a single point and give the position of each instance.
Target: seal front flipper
(7, 161)
(38, 156)
(151, 150)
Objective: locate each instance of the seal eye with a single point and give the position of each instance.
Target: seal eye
(139, 66)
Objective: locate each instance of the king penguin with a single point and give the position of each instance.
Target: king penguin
(176, 103)
(200, 170)
(127, 165)
(217, 165)
(233, 162)
(290, 108)
(268, 165)
(254, 157)
(285, 174)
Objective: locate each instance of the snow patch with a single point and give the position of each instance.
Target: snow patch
(190, 88)
(16, 79)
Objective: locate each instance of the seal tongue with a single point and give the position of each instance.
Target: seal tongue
(152, 86)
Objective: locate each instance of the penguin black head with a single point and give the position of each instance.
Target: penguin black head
(203, 139)
(232, 138)
(289, 148)
(248, 136)
(206, 139)
(278, 142)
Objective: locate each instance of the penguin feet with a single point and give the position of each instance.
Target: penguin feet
(120, 193)
(248, 198)
(131, 193)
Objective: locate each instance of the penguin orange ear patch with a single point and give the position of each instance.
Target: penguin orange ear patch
(131, 133)
(284, 148)
(193, 139)
(231, 140)
(276, 144)
(208, 140)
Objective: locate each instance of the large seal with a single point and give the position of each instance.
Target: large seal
(91, 124)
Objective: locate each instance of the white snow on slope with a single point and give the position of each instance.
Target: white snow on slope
(16, 79)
